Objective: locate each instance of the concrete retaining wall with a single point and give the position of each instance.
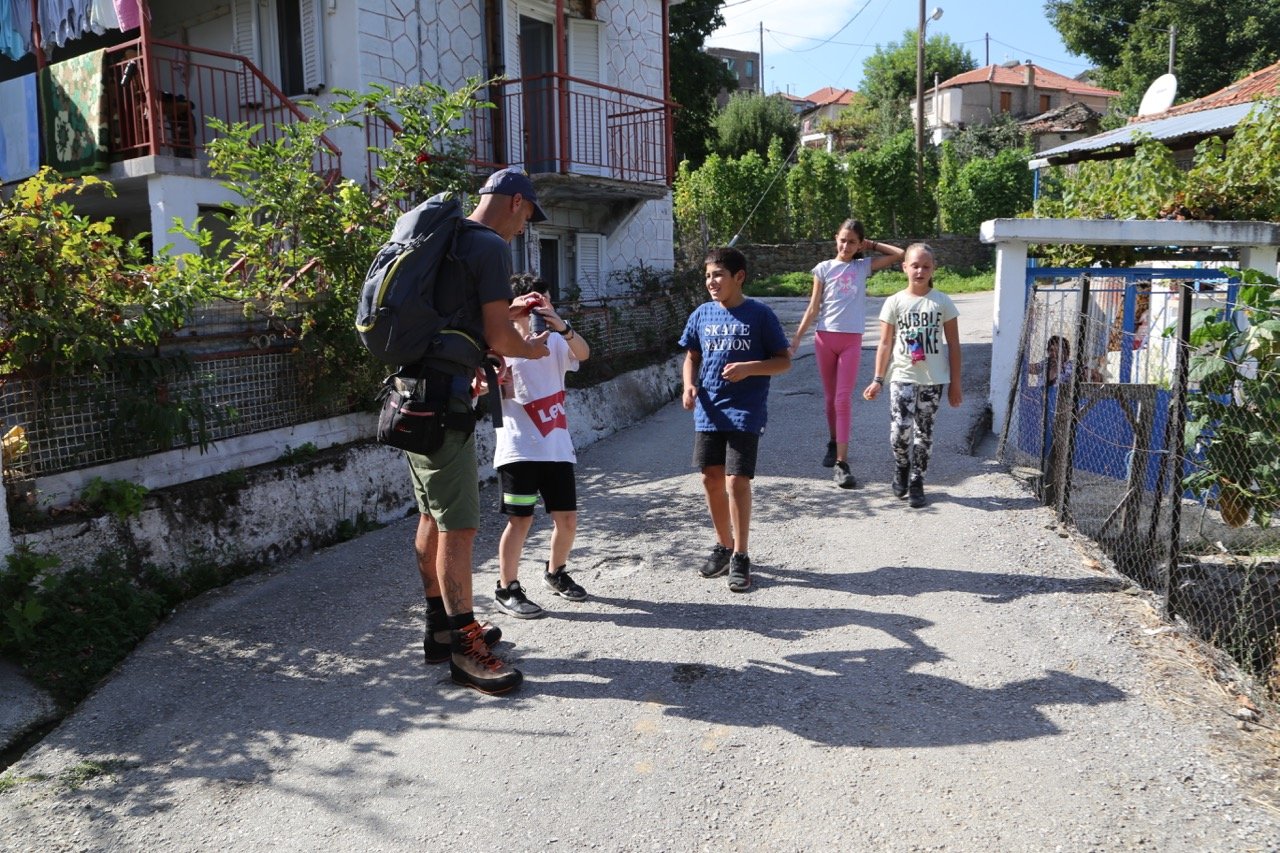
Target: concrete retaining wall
(774, 259)
(272, 511)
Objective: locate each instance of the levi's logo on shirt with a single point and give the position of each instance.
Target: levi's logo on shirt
(548, 413)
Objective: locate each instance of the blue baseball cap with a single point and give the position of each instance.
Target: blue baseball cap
(512, 181)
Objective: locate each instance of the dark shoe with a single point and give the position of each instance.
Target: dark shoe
(435, 645)
(512, 600)
(717, 562)
(830, 458)
(739, 572)
(843, 476)
(900, 475)
(472, 664)
(915, 494)
(562, 585)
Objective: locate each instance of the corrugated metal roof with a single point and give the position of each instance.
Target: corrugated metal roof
(1191, 126)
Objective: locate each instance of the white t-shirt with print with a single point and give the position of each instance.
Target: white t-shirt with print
(535, 426)
(844, 295)
(919, 346)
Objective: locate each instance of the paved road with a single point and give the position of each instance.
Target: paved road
(948, 677)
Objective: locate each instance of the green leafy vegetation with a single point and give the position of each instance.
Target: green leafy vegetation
(1230, 432)
(1235, 179)
(120, 498)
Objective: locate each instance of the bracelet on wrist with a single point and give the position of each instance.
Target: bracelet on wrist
(879, 380)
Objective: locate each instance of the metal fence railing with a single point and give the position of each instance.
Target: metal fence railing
(231, 376)
(1150, 429)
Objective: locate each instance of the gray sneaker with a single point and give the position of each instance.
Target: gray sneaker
(717, 562)
(739, 572)
(843, 476)
(512, 600)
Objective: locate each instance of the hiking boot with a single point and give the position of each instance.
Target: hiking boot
(717, 562)
(512, 600)
(830, 458)
(472, 664)
(562, 585)
(843, 476)
(435, 645)
(915, 493)
(900, 476)
(739, 572)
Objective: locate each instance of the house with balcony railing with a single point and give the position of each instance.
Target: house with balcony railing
(583, 104)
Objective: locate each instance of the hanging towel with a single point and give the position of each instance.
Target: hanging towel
(74, 115)
(19, 129)
(103, 17)
(15, 28)
(127, 12)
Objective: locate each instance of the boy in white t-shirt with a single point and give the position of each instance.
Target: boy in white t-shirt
(534, 454)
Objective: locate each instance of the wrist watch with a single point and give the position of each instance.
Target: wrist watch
(567, 332)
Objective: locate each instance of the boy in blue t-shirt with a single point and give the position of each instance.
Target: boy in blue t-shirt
(732, 346)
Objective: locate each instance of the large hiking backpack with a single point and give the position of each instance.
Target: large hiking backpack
(397, 319)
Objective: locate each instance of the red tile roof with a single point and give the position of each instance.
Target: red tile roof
(827, 96)
(1016, 75)
(1257, 86)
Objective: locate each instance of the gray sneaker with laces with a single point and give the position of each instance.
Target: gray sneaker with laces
(512, 600)
(717, 562)
(739, 572)
(562, 585)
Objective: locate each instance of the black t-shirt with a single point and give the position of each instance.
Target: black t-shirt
(483, 269)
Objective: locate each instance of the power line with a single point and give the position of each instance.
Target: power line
(837, 32)
(1053, 59)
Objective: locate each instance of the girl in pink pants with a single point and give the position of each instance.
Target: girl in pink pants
(839, 305)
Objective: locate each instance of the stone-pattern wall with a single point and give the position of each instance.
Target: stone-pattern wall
(645, 238)
(773, 259)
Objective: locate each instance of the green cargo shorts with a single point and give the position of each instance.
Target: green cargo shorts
(447, 483)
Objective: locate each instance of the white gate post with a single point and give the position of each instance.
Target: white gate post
(6, 537)
(1006, 325)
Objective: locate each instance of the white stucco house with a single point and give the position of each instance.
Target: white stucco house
(584, 105)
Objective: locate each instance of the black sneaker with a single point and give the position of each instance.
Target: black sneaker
(843, 476)
(900, 481)
(512, 600)
(717, 562)
(473, 665)
(915, 494)
(739, 572)
(830, 458)
(562, 585)
(435, 644)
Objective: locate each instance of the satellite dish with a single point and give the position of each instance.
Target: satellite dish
(1159, 96)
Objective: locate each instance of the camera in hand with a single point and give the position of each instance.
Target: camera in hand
(537, 322)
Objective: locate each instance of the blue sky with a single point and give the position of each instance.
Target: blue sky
(809, 44)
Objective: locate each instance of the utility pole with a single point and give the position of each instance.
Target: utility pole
(1173, 41)
(986, 60)
(760, 59)
(920, 103)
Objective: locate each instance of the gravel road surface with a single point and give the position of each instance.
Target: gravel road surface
(955, 677)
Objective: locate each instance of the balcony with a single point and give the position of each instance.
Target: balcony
(161, 95)
(581, 140)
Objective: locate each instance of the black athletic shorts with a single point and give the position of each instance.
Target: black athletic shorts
(522, 482)
(736, 451)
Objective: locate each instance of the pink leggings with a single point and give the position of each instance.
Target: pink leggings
(838, 355)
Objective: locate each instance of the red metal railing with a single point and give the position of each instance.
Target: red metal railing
(160, 101)
(558, 123)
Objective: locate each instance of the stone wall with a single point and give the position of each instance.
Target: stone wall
(773, 259)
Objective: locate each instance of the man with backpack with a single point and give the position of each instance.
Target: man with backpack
(474, 290)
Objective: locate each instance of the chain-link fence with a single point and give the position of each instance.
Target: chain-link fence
(1144, 410)
(227, 375)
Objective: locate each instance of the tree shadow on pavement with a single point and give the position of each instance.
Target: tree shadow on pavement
(992, 587)
(868, 697)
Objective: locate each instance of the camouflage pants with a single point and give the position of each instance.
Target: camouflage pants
(911, 409)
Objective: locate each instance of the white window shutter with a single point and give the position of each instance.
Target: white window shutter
(244, 41)
(312, 19)
(587, 112)
(590, 265)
